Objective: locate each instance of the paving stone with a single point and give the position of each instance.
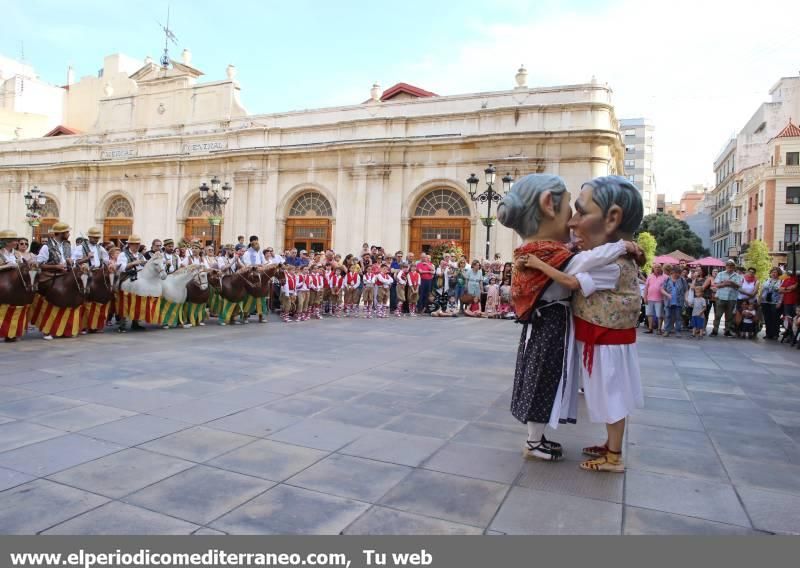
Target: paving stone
(493, 436)
(565, 477)
(137, 400)
(455, 410)
(527, 511)
(135, 430)
(772, 511)
(117, 518)
(393, 447)
(10, 478)
(669, 405)
(268, 460)
(658, 437)
(491, 464)
(676, 462)
(382, 521)
(300, 405)
(659, 392)
(35, 406)
(208, 532)
(17, 434)
(319, 434)
(291, 510)
(335, 393)
(260, 422)
(82, 417)
(40, 504)
(351, 477)
(56, 454)
(359, 415)
(459, 499)
(11, 394)
(781, 450)
(198, 444)
(122, 473)
(668, 419)
(199, 411)
(684, 496)
(200, 494)
(777, 476)
(648, 522)
(424, 425)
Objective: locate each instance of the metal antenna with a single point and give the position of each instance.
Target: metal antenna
(168, 37)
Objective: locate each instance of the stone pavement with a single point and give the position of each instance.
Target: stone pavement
(379, 427)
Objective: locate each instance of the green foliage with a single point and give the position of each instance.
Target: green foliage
(648, 244)
(441, 248)
(672, 234)
(757, 256)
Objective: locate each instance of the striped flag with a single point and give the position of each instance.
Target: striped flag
(194, 313)
(13, 320)
(171, 313)
(58, 322)
(95, 316)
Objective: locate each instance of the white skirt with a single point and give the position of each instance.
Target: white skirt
(614, 390)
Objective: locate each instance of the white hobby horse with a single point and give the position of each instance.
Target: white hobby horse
(173, 288)
(148, 281)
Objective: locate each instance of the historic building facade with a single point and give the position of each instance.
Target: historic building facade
(390, 171)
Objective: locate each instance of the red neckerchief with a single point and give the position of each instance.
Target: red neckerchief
(414, 278)
(336, 282)
(527, 284)
(352, 278)
(291, 282)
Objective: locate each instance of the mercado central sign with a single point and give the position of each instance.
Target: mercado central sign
(389, 169)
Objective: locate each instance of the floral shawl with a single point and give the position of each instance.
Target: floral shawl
(527, 284)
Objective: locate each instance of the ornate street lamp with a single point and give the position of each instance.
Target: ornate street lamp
(216, 197)
(35, 200)
(489, 196)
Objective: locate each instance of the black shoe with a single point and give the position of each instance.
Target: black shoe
(538, 450)
(551, 444)
(728, 334)
(714, 333)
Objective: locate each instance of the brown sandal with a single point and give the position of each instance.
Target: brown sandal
(596, 451)
(604, 464)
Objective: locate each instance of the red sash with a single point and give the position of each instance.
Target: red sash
(291, 283)
(591, 335)
(352, 279)
(414, 279)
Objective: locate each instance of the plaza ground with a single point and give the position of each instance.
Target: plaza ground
(379, 427)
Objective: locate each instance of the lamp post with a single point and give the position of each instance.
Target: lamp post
(489, 196)
(35, 200)
(216, 197)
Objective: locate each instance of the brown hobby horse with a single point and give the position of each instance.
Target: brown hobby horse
(17, 285)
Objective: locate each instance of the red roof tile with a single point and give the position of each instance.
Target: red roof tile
(791, 131)
(61, 130)
(406, 88)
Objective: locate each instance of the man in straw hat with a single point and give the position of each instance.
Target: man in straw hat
(129, 262)
(56, 253)
(13, 318)
(92, 252)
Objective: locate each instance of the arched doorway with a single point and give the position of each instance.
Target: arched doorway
(441, 215)
(118, 223)
(308, 225)
(198, 226)
(49, 217)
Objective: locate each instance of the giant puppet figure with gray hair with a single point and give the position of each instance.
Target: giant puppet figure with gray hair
(538, 209)
(605, 306)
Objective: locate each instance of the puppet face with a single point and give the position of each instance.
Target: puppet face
(590, 227)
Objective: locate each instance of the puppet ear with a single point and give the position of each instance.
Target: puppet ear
(546, 206)
(613, 219)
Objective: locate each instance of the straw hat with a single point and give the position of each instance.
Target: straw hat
(95, 232)
(8, 235)
(60, 228)
(168, 242)
(134, 240)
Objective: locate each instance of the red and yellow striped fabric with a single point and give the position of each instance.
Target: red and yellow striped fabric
(95, 316)
(36, 308)
(13, 321)
(55, 321)
(140, 308)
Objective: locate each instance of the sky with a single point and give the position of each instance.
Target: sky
(698, 69)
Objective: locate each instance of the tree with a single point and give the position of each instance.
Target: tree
(672, 234)
(757, 256)
(648, 244)
(439, 249)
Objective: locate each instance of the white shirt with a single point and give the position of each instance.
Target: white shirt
(253, 257)
(10, 257)
(276, 259)
(44, 254)
(597, 261)
(98, 254)
(122, 261)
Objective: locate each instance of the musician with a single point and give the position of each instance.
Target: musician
(172, 261)
(56, 254)
(130, 262)
(91, 251)
(9, 257)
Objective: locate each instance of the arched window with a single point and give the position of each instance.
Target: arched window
(119, 207)
(50, 209)
(311, 204)
(198, 209)
(49, 217)
(442, 203)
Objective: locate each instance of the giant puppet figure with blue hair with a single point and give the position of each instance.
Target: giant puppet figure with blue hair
(605, 309)
(538, 209)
